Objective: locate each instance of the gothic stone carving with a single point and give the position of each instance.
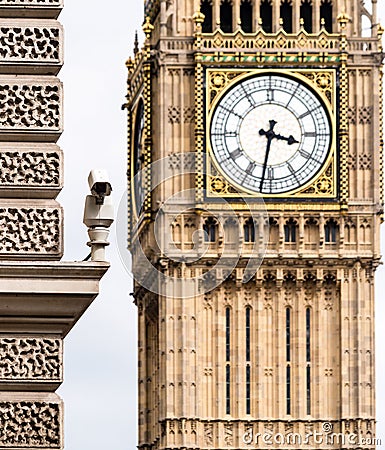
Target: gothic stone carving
(32, 43)
(30, 230)
(30, 106)
(30, 168)
(37, 359)
(30, 424)
(40, 3)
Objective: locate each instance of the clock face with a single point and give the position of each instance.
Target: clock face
(270, 134)
(138, 157)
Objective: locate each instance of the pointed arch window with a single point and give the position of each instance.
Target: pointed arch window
(246, 14)
(249, 230)
(290, 230)
(286, 13)
(306, 13)
(266, 15)
(226, 16)
(207, 11)
(331, 231)
(210, 230)
(326, 14)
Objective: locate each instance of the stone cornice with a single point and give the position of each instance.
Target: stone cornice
(46, 298)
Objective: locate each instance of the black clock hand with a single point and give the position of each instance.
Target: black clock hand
(270, 136)
(290, 140)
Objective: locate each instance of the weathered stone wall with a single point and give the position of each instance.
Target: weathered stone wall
(31, 177)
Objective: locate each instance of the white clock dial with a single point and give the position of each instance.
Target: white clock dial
(270, 134)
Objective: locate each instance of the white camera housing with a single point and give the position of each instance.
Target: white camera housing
(96, 214)
(99, 184)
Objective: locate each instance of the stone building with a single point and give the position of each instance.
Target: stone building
(256, 177)
(41, 297)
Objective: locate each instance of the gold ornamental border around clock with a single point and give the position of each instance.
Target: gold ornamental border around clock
(324, 185)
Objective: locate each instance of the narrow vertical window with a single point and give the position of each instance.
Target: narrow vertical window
(286, 12)
(288, 332)
(248, 368)
(249, 230)
(288, 358)
(288, 390)
(210, 230)
(331, 231)
(308, 335)
(228, 389)
(247, 389)
(290, 230)
(246, 14)
(326, 15)
(226, 16)
(228, 340)
(266, 14)
(248, 334)
(228, 334)
(308, 362)
(306, 13)
(207, 11)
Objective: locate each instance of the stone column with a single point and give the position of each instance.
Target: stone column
(41, 298)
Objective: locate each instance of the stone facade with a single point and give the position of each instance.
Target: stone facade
(265, 324)
(41, 297)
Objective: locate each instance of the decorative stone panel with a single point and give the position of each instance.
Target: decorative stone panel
(30, 8)
(28, 104)
(30, 231)
(36, 167)
(30, 359)
(30, 423)
(57, 3)
(30, 42)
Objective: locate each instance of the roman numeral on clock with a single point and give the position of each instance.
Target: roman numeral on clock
(250, 168)
(236, 153)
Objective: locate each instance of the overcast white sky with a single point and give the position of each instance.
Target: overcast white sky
(100, 352)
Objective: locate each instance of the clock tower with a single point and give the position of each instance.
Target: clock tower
(255, 175)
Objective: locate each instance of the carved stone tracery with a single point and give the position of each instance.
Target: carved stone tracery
(30, 107)
(30, 230)
(30, 43)
(31, 2)
(30, 424)
(30, 168)
(30, 359)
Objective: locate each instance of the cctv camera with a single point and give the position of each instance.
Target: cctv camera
(99, 184)
(98, 215)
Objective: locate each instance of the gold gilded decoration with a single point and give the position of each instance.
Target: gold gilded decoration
(219, 186)
(262, 41)
(381, 102)
(147, 29)
(199, 110)
(344, 119)
(218, 81)
(323, 186)
(323, 82)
